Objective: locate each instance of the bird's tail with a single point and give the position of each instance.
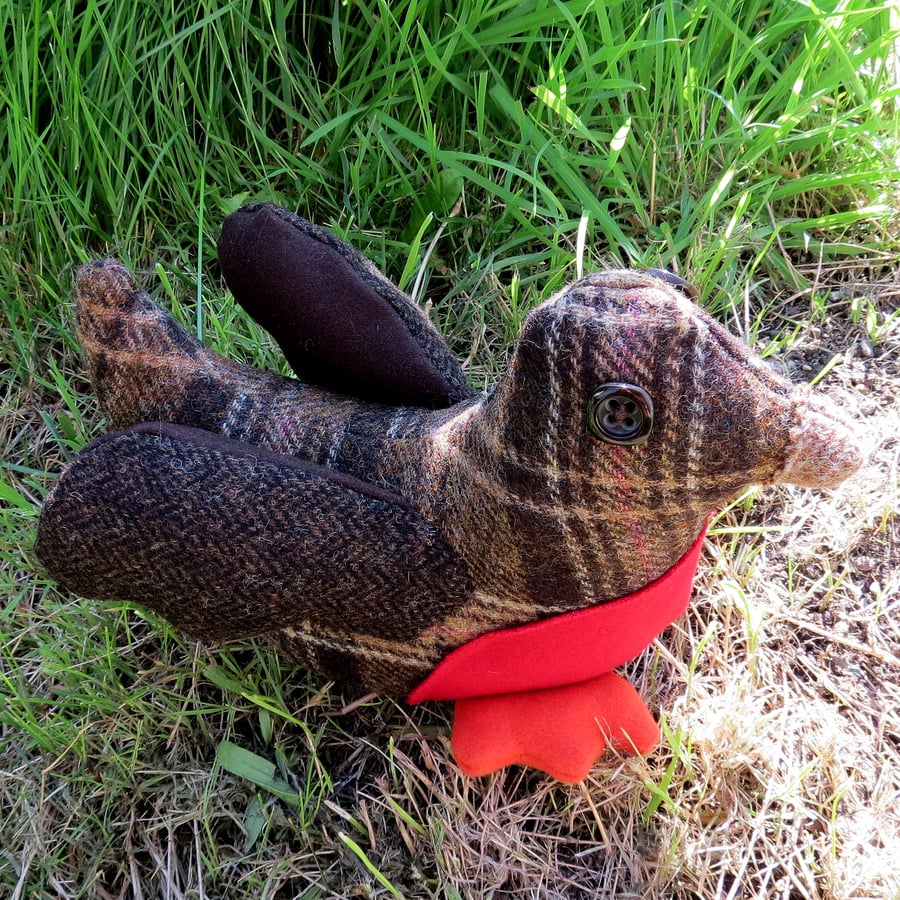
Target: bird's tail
(144, 367)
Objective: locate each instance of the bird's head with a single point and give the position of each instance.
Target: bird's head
(622, 383)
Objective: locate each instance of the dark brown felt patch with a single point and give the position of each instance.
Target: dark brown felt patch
(340, 324)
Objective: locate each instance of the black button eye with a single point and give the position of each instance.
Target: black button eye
(620, 413)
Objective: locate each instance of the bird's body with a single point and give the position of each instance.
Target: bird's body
(377, 530)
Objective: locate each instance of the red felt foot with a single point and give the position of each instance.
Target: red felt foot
(561, 731)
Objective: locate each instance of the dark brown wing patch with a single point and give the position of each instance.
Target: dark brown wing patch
(340, 323)
(227, 541)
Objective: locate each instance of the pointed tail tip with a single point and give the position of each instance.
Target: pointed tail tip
(103, 282)
(826, 447)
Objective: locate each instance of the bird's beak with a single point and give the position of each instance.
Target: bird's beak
(825, 445)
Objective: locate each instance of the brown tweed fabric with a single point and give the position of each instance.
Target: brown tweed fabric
(501, 509)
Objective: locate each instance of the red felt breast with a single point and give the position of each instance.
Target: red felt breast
(564, 649)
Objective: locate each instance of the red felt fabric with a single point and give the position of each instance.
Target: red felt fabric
(561, 731)
(565, 649)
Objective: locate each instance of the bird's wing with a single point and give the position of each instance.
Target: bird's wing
(340, 323)
(226, 540)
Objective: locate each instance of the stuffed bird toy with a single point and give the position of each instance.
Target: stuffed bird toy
(386, 525)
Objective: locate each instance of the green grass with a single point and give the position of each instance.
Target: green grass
(742, 143)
